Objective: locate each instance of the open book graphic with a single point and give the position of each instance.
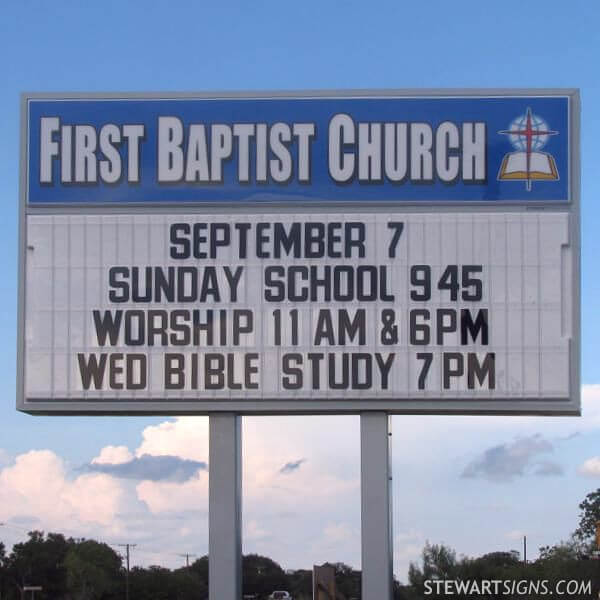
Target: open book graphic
(541, 166)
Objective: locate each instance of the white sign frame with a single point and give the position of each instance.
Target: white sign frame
(498, 406)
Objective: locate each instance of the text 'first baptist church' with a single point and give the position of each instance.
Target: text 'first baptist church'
(280, 152)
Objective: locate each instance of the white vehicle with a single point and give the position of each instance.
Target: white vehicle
(280, 595)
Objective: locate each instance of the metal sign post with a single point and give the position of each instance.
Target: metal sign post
(225, 507)
(366, 252)
(376, 506)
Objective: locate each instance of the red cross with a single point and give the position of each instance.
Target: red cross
(529, 134)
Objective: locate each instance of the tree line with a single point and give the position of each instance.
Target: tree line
(576, 559)
(80, 569)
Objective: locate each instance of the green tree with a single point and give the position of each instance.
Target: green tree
(3, 573)
(347, 581)
(189, 585)
(153, 583)
(556, 563)
(261, 575)
(301, 585)
(589, 516)
(40, 561)
(491, 566)
(159, 583)
(200, 568)
(569, 550)
(439, 562)
(93, 570)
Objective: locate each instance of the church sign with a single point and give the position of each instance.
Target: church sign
(408, 252)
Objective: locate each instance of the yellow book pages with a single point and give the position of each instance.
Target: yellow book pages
(541, 167)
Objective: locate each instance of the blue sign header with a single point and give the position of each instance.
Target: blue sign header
(95, 151)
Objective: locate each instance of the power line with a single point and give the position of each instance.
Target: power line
(187, 558)
(127, 546)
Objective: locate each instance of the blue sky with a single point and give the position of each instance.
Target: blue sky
(143, 45)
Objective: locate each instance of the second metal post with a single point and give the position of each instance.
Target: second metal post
(376, 506)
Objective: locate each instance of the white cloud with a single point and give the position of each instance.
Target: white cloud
(168, 497)
(330, 469)
(186, 437)
(591, 467)
(37, 485)
(94, 497)
(113, 455)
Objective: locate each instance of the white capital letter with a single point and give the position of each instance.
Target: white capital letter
(48, 148)
(341, 131)
(170, 154)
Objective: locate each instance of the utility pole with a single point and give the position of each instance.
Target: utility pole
(524, 549)
(127, 546)
(187, 558)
